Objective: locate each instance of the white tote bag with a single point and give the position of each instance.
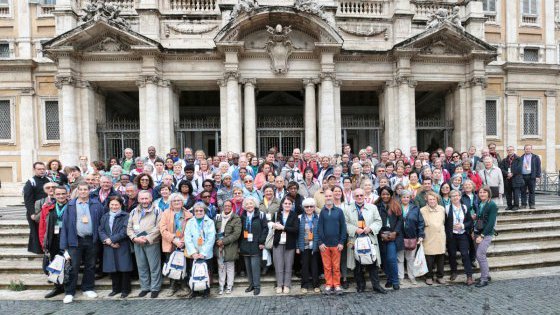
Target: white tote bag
(56, 270)
(420, 267)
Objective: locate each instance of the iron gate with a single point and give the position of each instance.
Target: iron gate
(282, 132)
(431, 131)
(361, 131)
(115, 136)
(199, 133)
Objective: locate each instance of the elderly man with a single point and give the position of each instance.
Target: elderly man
(104, 192)
(531, 170)
(144, 232)
(511, 167)
(484, 153)
(363, 220)
(492, 176)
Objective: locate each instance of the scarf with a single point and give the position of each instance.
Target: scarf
(225, 219)
(112, 216)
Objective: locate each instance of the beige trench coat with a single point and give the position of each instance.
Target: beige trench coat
(434, 228)
(373, 221)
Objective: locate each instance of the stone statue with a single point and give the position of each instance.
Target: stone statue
(246, 6)
(436, 19)
(98, 9)
(312, 7)
(455, 19)
(279, 48)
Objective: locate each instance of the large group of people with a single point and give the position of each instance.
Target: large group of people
(300, 215)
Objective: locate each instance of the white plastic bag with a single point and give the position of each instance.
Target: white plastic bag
(420, 267)
(200, 279)
(176, 267)
(56, 270)
(363, 250)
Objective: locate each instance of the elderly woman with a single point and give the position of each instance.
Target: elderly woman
(200, 234)
(391, 235)
(370, 194)
(484, 232)
(413, 233)
(139, 167)
(308, 246)
(458, 224)
(228, 231)
(492, 177)
(172, 228)
(286, 225)
(237, 201)
(255, 230)
(309, 185)
(117, 260)
(434, 242)
(163, 202)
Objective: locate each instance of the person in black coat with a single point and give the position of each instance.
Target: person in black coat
(104, 192)
(117, 260)
(253, 237)
(511, 167)
(390, 235)
(469, 198)
(530, 170)
(286, 227)
(33, 191)
(458, 224)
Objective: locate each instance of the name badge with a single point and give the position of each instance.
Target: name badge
(283, 238)
(56, 229)
(361, 224)
(268, 216)
(245, 234)
(200, 241)
(310, 244)
(85, 219)
(249, 237)
(310, 236)
(136, 227)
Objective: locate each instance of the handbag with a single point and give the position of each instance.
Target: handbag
(269, 242)
(410, 243)
(494, 189)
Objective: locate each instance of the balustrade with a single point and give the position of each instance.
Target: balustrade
(361, 8)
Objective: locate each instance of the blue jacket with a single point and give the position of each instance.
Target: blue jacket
(192, 234)
(116, 259)
(413, 223)
(302, 236)
(331, 227)
(69, 232)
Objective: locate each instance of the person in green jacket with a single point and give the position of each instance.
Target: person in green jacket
(484, 232)
(228, 231)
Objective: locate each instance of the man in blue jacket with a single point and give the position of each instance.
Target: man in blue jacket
(531, 171)
(332, 236)
(78, 240)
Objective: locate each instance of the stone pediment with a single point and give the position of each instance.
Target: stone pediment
(446, 40)
(100, 36)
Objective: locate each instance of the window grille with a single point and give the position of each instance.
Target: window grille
(531, 55)
(491, 118)
(52, 123)
(5, 120)
(4, 50)
(530, 117)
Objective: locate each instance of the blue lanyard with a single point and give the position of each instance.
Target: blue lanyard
(360, 216)
(456, 214)
(201, 229)
(177, 221)
(249, 223)
(309, 223)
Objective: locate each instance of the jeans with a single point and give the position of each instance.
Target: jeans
(481, 250)
(309, 263)
(390, 267)
(331, 264)
(512, 193)
(283, 262)
(459, 242)
(529, 185)
(431, 260)
(253, 267)
(85, 253)
(409, 255)
(148, 260)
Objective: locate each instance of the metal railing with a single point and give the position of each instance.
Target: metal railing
(549, 183)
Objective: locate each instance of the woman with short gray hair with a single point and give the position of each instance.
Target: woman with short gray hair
(253, 236)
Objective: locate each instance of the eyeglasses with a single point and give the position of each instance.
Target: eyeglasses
(358, 195)
(145, 180)
(307, 207)
(238, 193)
(199, 211)
(455, 156)
(205, 197)
(177, 200)
(248, 181)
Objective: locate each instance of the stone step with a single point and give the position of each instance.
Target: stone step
(528, 218)
(14, 232)
(528, 227)
(539, 210)
(516, 238)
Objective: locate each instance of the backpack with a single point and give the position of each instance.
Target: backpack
(56, 270)
(176, 266)
(200, 280)
(363, 250)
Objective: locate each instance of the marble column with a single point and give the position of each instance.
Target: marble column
(511, 126)
(310, 115)
(512, 20)
(27, 133)
(478, 112)
(88, 120)
(388, 113)
(223, 115)
(234, 111)
(69, 144)
(411, 113)
(149, 113)
(250, 116)
(168, 99)
(551, 132)
(338, 116)
(404, 126)
(460, 136)
(327, 130)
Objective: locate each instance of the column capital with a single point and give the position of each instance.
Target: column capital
(337, 83)
(324, 76)
(231, 75)
(310, 81)
(462, 84)
(550, 93)
(401, 79)
(482, 81)
(147, 79)
(27, 91)
(249, 81)
(221, 82)
(61, 80)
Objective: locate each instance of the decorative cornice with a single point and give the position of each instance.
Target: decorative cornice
(61, 80)
(510, 92)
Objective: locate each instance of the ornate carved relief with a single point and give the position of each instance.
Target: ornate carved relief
(145, 79)
(109, 44)
(97, 10)
(312, 7)
(279, 48)
(231, 75)
(247, 6)
(327, 76)
(482, 81)
(61, 80)
(190, 28)
(435, 20)
(359, 30)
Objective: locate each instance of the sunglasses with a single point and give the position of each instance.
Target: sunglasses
(198, 211)
(358, 195)
(308, 207)
(205, 196)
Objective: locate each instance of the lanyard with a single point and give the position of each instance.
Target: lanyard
(60, 210)
(163, 205)
(249, 223)
(481, 209)
(178, 222)
(201, 229)
(405, 213)
(456, 214)
(360, 216)
(309, 223)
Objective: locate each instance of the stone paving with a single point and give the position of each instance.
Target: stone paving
(521, 296)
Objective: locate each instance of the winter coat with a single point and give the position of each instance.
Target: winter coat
(302, 235)
(148, 223)
(116, 259)
(391, 223)
(259, 228)
(450, 220)
(273, 207)
(167, 229)
(413, 223)
(515, 167)
(95, 195)
(230, 237)
(493, 178)
(472, 206)
(372, 220)
(434, 228)
(193, 232)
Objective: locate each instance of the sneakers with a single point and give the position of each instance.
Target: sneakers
(303, 290)
(286, 290)
(221, 292)
(338, 291)
(228, 291)
(68, 299)
(90, 294)
(279, 290)
(327, 290)
(317, 290)
(413, 281)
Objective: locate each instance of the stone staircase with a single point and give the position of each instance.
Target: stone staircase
(528, 239)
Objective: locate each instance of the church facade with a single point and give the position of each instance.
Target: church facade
(94, 77)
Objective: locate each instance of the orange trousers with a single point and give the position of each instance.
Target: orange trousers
(331, 264)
